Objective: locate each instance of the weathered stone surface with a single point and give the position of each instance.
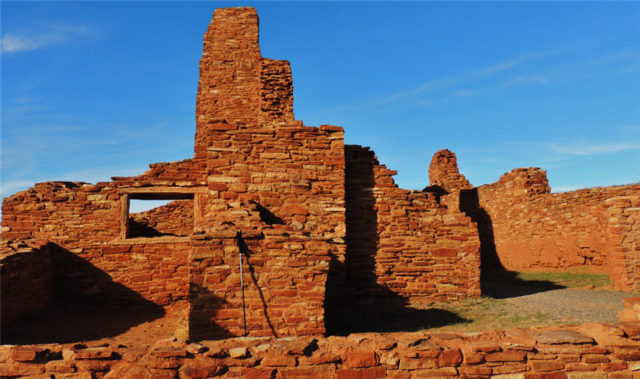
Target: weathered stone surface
(362, 373)
(94, 353)
(239, 352)
(386, 226)
(543, 366)
(200, 368)
(555, 231)
(128, 371)
(450, 358)
(24, 353)
(561, 336)
(364, 355)
(506, 356)
(443, 172)
(356, 358)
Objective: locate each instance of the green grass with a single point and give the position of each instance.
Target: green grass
(488, 313)
(470, 315)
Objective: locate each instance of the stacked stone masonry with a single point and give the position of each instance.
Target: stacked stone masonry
(522, 226)
(312, 223)
(403, 242)
(27, 279)
(585, 351)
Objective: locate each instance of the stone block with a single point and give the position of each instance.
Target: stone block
(543, 366)
(506, 356)
(363, 373)
(354, 358)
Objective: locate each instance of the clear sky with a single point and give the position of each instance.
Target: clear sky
(92, 90)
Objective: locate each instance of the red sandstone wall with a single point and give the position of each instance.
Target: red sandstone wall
(27, 279)
(157, 270)
(541, 231)
(587, 351)
(284, 286)
(443, 172)
(276, 92)
(404, 242)
(623, 210)
(185, 173)
(230, 68)
(69, 214)
(76, 214)
(288, 185)
(268, 176)
(523, 226)
(264, 172)
(86, 221)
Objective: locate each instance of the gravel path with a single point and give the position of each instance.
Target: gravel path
(573, 305)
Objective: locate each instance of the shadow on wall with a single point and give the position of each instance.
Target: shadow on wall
(247, 253)
(204, 306)
(489, 260)
(139, 229)
(495, 280)
(470, 205)
(266, 215)
(87, 305)
(437, 190)
(355, 302)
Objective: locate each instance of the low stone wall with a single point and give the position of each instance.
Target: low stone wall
(586, 351)
(27, 279)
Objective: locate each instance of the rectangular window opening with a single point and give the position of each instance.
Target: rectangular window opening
(159, 215)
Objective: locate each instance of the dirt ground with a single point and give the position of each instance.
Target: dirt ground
(512, 300)
(98, 324)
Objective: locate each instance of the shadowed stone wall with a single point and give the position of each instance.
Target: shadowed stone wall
(523, 226)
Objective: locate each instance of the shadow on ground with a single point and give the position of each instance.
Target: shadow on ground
(387, 317)
(501, 284)
(355, 302)
(495, 280)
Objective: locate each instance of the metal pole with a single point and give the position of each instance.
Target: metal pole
(244, 314)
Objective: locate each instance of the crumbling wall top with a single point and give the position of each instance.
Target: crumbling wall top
(524, 182)
(238, 89)
(443, 172)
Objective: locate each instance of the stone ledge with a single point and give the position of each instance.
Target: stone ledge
(151, 240)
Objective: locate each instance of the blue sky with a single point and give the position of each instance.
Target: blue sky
(92, 90)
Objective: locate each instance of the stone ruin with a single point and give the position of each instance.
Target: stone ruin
(320, 224)
(523, 226)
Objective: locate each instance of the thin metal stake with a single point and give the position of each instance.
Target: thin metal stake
(244, 315)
